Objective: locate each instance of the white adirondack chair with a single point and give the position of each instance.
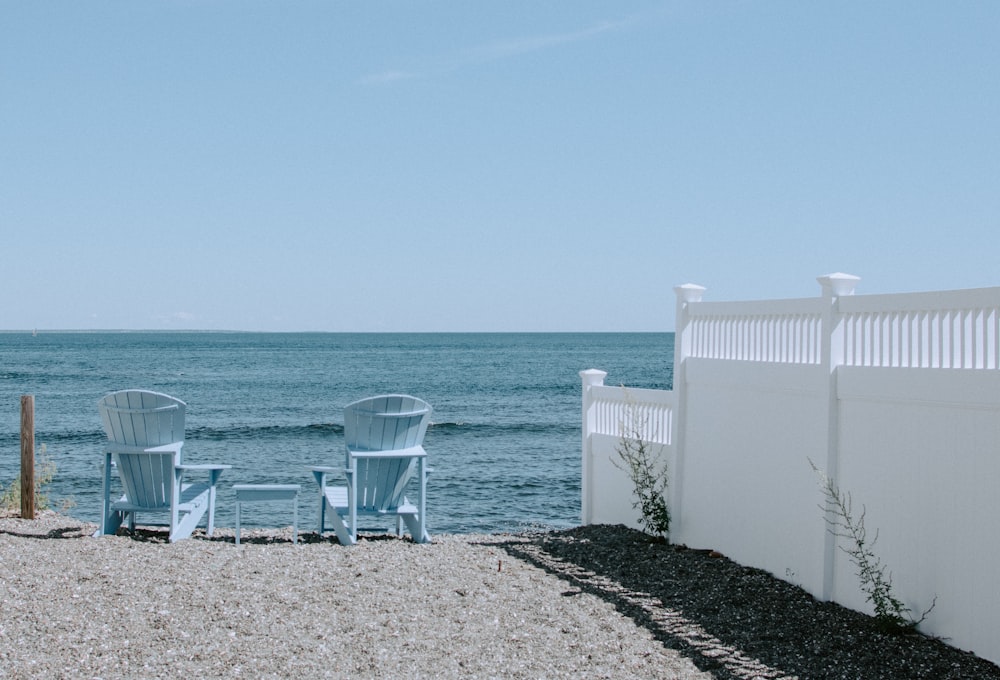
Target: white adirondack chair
(384, 440)
(145, 440)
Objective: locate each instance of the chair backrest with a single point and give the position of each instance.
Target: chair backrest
(139, 418)
(386, 423)
(142, 418)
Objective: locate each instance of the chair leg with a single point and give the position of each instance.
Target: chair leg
(416, 527)
(344, 534)
(211, 512)
(110, 519)
(238, 513)
(109, 526)
(186, 525)
(213, 481)
(320, 477)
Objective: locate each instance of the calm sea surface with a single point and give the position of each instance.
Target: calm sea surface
(504, 441)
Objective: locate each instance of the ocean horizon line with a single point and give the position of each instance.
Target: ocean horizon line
(125, 331)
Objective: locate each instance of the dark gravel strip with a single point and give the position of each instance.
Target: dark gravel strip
(747, 612)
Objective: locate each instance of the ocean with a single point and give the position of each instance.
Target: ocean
(504, 442)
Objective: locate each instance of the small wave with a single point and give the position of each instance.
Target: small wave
(323, 430)
(525, 428)
(447, 425)
(310, 432)
(62, 439)
(264, 432)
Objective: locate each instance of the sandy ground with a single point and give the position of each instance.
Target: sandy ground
(112, 607)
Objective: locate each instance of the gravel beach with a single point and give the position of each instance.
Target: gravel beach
(591, 602)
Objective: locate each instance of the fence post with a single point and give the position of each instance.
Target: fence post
(27, 456)
(590, 378)
(834, 287)
(687, 294)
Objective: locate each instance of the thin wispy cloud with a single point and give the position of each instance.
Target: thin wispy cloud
(388, 77)
(495, 51)
(173, 318)
(511, 48)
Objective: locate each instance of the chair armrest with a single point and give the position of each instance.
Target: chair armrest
(327, 469)
(320, 473)
(173, 447)
(214, 471)
(411, 452)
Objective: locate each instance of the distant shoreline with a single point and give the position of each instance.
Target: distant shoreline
(41, 331)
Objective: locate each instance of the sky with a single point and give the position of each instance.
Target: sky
(446, 165)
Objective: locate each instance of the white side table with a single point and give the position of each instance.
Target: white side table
(251, 493)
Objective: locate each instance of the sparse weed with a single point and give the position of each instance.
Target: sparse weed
(649, 479)
(890, 612)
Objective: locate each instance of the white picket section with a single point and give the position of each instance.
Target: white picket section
(787, 331)
(949, 329)
(616, 408)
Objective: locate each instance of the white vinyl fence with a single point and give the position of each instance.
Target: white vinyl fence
(896, 397)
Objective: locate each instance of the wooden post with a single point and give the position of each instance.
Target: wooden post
(27, 456)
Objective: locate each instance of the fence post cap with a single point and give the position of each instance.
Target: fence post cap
(689, 292)
(838, 284)
(593, 376)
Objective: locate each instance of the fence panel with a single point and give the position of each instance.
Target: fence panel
(897, 397)
(609, 414)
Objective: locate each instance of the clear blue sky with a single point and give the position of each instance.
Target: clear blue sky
(485, 166)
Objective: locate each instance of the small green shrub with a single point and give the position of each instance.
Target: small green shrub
(45, 470)
(649, 479)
